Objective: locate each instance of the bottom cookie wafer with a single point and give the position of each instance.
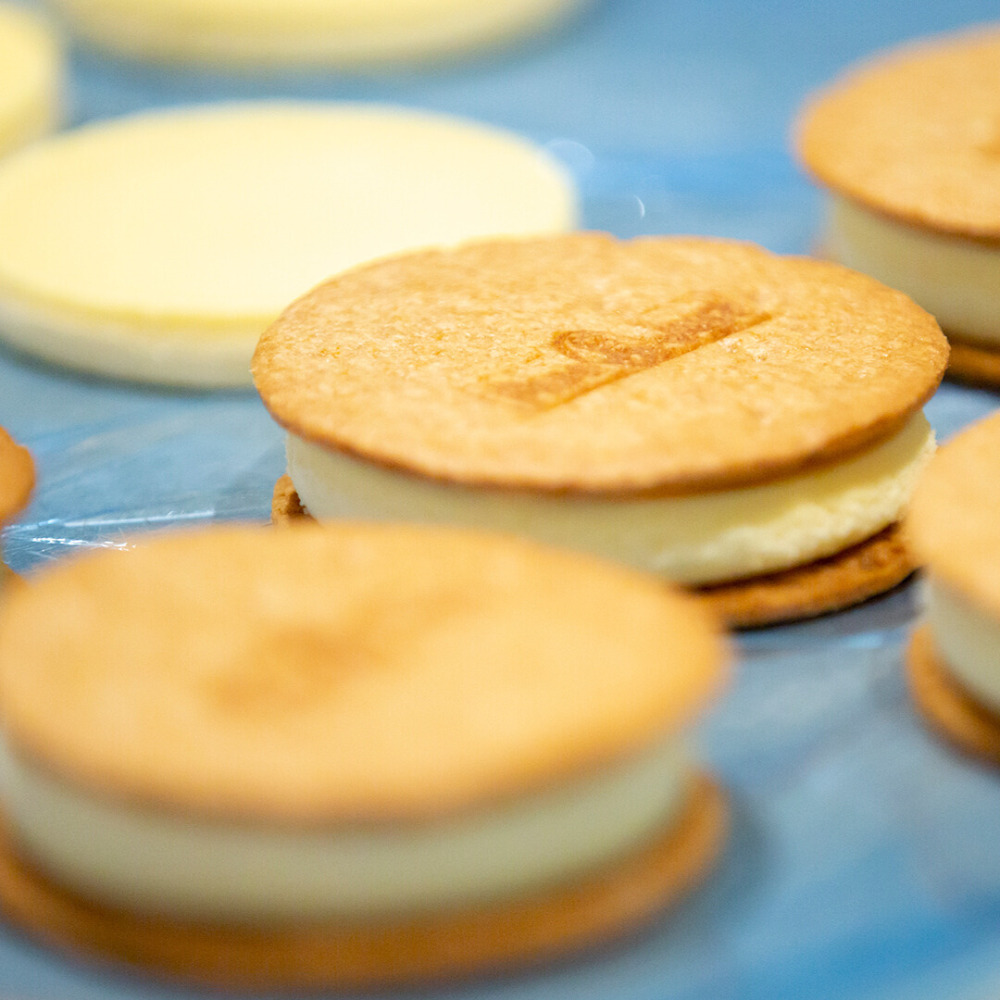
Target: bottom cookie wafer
(947, 706)
(345, 955)
(865, 570)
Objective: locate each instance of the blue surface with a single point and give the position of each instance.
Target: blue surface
(863, 862)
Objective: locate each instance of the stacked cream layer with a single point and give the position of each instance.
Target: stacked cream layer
(149, 861)
(365, 721)
(298, 33)
(158, 247)
(700, 539)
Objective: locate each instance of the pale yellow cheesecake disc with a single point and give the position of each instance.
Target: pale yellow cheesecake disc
(30, 74)
(158, 247)
(297, 33)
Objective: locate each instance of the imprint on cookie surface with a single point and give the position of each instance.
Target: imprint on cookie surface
(578, 361)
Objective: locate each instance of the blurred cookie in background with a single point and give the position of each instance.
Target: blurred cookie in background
(294, 34)
(31, 75)
(907, 146)
(356, 755)
(953, 528)
(159, 246)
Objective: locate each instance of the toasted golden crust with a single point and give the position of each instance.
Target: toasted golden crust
(862, 571)
(973, 363)
(915, 134)
(847, 578)
(583, 363)
(17, 476)
(348, 673)
(345, 955)
(952, 525)
(946, 705)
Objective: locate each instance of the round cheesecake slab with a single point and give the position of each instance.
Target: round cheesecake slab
(158, 247)
(590, 365)
(30, 77)
(294, 34)
(915, 135)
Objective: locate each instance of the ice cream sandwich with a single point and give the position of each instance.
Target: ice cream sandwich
(17, 478)
(954, 530)
(907, 147)
(30, 77)
(349, 756)
(294, 34)
(157, 247)
(740, 422)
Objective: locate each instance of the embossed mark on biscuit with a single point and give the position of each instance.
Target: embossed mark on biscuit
(579, 361)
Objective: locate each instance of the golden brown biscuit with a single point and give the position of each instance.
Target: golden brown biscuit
(336, 743)
(908, 147)
(702, 409)
(17, 478)
(953, 530)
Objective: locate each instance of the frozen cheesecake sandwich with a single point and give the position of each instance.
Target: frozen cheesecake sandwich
(349, 756)
(907, 147)
(954, 530)
(743, 423)
(17, 477)
(157, 247)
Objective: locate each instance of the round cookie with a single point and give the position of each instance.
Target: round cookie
(701, 409)
(30, 77)
(294, 34)
(336, 743)
(952, 529)
(158, 247)
(907, 146)
(17, 478)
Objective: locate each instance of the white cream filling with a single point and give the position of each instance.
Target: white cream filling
(152, 861)
(967, 638)
(956, 280)
(699, 539)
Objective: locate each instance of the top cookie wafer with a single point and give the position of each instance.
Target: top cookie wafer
(17, 476)
(916, 134)
(585, 363)
(953, 523)
(443, 671)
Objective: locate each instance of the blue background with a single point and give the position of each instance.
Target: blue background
(864, 859)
